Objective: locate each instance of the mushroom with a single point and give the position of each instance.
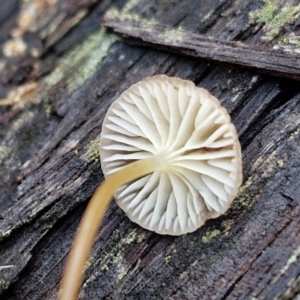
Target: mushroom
(171, 158)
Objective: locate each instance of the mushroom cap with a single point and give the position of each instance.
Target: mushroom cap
(186, 125)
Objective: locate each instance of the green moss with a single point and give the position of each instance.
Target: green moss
(171, 37)
(47, 107)
(183, 275)
(111, 258)
(92, 151)
(209, 236)
(122, 271)
(280, 163)
(133, 236)
(292, 260)
(245, 186)
(114, 259)
(226, 225)
(50, 190)
(274, 18)
(285, 17)
(265, 14)
(168, 258)
(4, 284)
(4, 152)
(96, 47)
(295, 134)
(81, 62)
(243, 198)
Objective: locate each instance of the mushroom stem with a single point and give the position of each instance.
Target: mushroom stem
(93, 215)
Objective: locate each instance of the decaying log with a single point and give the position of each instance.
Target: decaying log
(56, 90)
(262, 59)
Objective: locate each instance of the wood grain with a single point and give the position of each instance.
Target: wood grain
(184, 42)
(49, 166)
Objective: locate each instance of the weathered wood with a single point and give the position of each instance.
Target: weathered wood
(49, 165)
(147, 33)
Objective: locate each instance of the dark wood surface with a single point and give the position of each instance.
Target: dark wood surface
(55, 93)
(140, 32)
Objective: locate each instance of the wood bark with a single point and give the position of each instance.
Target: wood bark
(60, 71)
(187, 43)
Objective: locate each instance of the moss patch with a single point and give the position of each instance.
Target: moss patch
(274, 18)
(209, 236)
(243, 198)
(280, 163)
(4, 152)
(4, 284)
(92, 151)
(171, 37)
(290, 43)
(114, 259)
(81, 62)
(168, 258)
(265, 14)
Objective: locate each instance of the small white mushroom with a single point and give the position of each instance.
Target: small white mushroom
(185, 127)
(170, 156)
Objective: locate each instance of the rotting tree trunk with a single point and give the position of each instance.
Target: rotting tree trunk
(60, 70)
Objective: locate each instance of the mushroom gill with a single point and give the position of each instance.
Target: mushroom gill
(191, 134)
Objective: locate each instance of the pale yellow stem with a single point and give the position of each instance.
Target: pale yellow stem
(93, 215)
